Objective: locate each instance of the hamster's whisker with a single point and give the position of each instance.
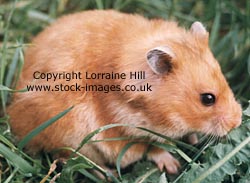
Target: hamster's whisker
(213, 151)
(204, 138)
(208, 140)
(217, 139)
(228, 139)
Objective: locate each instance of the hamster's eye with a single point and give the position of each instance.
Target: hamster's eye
(207, 99)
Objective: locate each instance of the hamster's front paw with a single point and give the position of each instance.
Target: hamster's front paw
(192, 139)
(164, 159)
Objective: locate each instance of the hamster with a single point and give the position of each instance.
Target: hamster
(185, 89)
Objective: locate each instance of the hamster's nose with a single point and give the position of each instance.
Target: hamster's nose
(231, 124)
(236, 115)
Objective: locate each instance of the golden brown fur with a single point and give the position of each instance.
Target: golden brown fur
(106, 41)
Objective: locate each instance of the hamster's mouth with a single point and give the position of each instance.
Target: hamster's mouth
(214, 128)
(219, 127)
(221, 130)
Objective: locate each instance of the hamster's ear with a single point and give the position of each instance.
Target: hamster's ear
(197, 28)
(159, 59)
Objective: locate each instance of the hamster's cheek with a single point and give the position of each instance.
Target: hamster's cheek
(179, 126)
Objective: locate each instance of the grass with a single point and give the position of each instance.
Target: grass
(229, 25)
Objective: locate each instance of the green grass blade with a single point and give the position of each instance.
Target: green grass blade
(20, 65)
(99, 4)
(5, 88)
(167, 147)
(184, 156)
(13, 147)
(99, 130)
(11, 176)
(12, 68)
(247, 110)
(89, 175)
(190, 147)
(93, 164)
(37, 130)
(215, 28)
(143, 177)
(3, 57)
(110, 139)
(23, 166)
(121, 154)
(73, 165)
(7, 142)
(173, 149)
(39, 16)
(222, 161)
